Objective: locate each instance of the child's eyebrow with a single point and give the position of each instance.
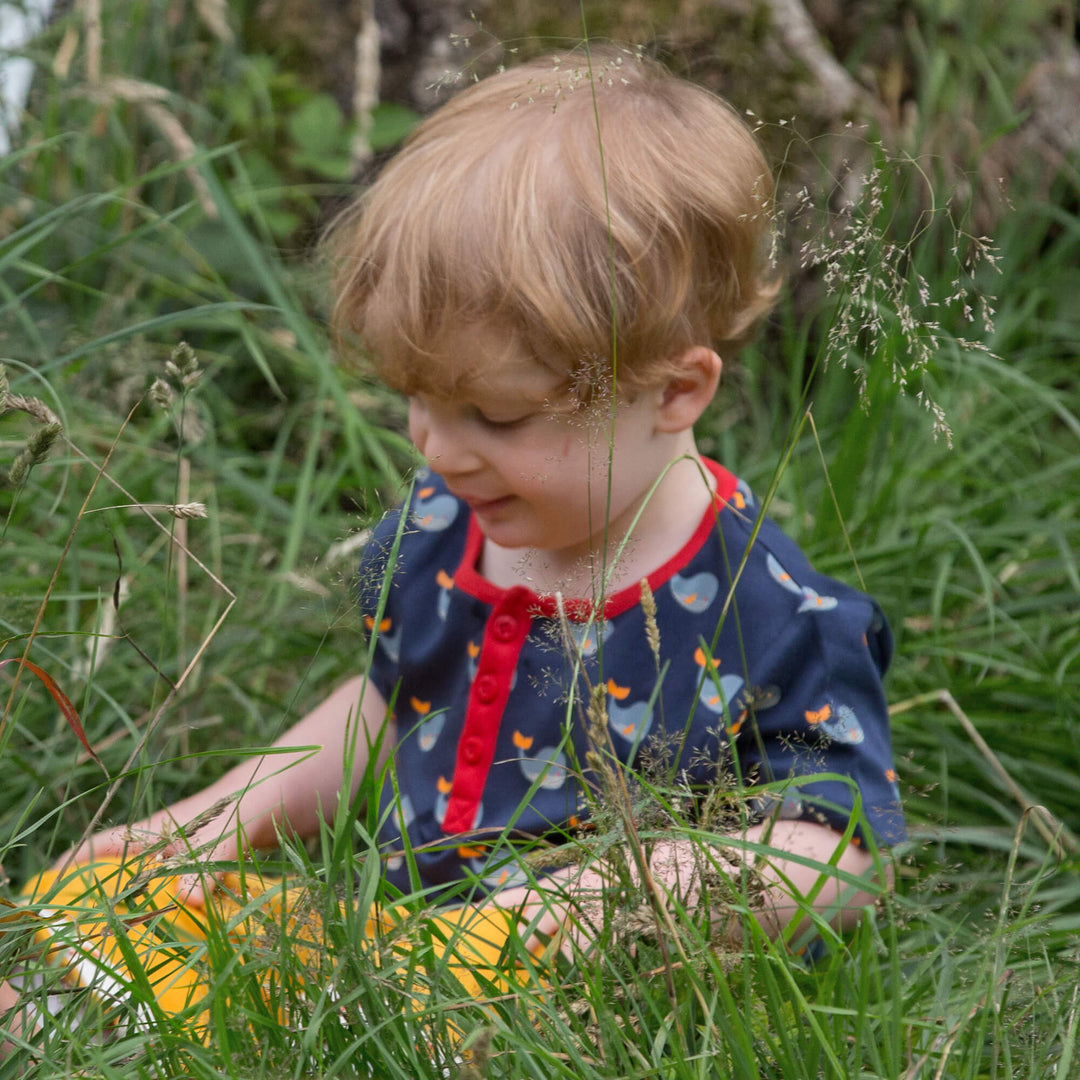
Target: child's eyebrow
(480, 389)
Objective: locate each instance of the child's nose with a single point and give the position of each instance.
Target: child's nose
(442, 442)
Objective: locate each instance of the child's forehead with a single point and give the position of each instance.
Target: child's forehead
(488, 361)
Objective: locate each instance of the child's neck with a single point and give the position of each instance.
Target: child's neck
(665, 524)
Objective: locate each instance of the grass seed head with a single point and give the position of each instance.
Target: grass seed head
(187, 511)
(32, 406)
(885, 310)
(162, 394)
(183, 366)
(36, 450)
(652, 631)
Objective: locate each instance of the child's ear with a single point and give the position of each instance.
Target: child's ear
(687, 392)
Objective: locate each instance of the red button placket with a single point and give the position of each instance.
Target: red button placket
(505, 634)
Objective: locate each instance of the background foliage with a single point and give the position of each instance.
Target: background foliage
(169, 182)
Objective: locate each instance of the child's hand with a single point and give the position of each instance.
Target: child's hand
(256, 801)
(562, 912)
(171, 835)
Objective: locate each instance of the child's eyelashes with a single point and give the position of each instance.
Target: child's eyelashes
(499, 423)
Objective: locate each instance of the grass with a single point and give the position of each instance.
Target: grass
(182, 643)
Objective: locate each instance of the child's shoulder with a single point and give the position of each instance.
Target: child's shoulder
(773, 582)
(750, 544)
(750, 536)
(429, 527)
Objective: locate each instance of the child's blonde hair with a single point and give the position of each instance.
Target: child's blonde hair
(594, 209)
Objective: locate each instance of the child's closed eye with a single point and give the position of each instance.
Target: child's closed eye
(501, 423)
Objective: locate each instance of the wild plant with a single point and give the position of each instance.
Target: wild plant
(967, 969)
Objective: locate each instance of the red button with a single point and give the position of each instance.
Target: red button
(487, 689)
(470, 750)
(504, 628)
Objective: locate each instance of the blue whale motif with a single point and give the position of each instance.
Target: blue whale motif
(811, 600)
(839, 724)
(547, 766)
(430, 730)
(587, 636)
(433, 513)
(715, 698)
(630, 722)
(696, 592)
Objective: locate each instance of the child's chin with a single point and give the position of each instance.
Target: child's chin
(511, 535)
(505, 536)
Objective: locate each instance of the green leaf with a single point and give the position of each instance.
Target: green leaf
(390, 124)
(318, 126)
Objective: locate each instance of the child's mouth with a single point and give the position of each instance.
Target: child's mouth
(488, 506)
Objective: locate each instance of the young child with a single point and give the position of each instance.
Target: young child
(552, 270)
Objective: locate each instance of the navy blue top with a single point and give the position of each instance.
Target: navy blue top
(767, 681)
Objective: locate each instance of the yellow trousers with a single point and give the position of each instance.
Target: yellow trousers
(118, 932)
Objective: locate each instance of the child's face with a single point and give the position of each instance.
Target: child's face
(533, 466)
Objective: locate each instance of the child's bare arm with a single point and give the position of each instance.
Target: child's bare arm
(286, 791)
(786, 883)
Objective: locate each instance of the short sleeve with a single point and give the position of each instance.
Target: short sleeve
(404, 578)
(377, 596)
(820, 730)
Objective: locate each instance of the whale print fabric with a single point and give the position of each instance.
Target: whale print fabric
(768, 684)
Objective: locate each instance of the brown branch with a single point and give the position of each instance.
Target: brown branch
(797, 31)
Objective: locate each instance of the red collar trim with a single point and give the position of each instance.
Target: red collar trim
(468, 580)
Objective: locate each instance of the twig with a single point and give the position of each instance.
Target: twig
(1056, 834)
(365, 83)
(92, 18)
(799, 34)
